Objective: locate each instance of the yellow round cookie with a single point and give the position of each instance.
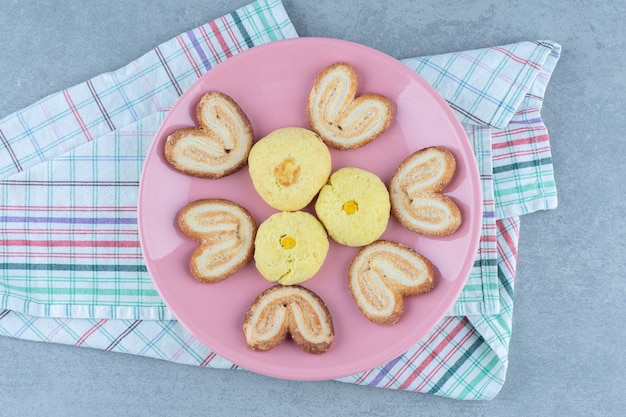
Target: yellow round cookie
(290, 247)
(354, 206)
(288, 167)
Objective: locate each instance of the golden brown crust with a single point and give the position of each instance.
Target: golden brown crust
(357, 120)
(442, 217)
(201, 109)
(219, 146)
(226, 231)
(382, 274)
(415, 191)
(275, 313)
(438, 182)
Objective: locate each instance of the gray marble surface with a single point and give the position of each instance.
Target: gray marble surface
(566, 355)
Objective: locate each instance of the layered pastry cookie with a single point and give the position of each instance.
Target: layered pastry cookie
(226, 233)
(290, 247)
(415, 189)
(353, 206)
(288, 167)
(293, 310)
(382, 273)
(220, 144)
(343, 120)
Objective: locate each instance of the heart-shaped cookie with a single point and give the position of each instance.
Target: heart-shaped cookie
(415, 191)
(382, 273)
(343, 120)
(219, 146)
(226, 231)
(293, 309)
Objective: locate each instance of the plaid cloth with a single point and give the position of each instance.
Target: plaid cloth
(71, 269)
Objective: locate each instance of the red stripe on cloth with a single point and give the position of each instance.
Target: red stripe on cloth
(518, 131)
(207, 41)
(521, 142)
(89, 209)
(517, 58)
(363, 376)
(508, 262)
(77, 116)
(448, 337)
(208, 359)
(51, 232)
(192, 61)
(507, 238)
(464, 323)
(441, 329)
(505, 261)
(68, 255)
(231, 34)
(509, 156)
(488, 238)
(89, 332)
(527, 111)
(220, 39)
(70, 243)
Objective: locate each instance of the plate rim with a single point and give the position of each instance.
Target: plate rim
(474, 177)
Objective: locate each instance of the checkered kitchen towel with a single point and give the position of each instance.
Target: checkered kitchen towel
(71, 269)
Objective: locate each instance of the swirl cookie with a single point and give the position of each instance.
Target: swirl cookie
(219, 146)
(295, 310)
(343, 120)
(382, 273)
(353, 206)
(415, 189)
(288, 167)
(226, 231)
(290, 247)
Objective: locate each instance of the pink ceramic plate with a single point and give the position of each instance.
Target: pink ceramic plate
(271, 83)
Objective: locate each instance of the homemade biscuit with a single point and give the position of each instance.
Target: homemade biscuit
(290, 247)
(226, 231)
(415, 190)
(382, 273)
(219, 146)
(295, 310)
(343, 120)
(354, 206)
(288, 167)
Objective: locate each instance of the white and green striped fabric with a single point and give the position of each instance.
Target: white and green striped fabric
(71, 269)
